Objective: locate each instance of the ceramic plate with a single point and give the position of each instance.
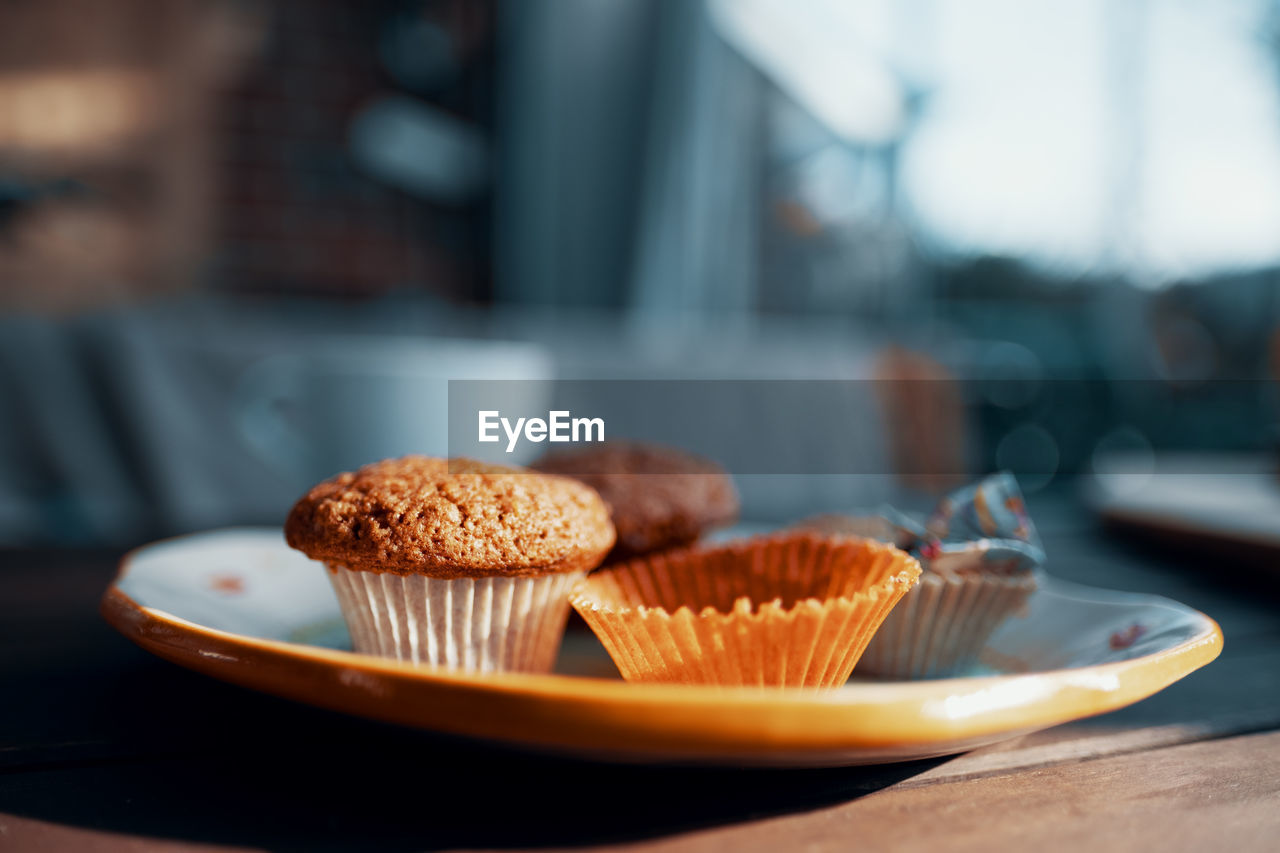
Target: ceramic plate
(241, 606)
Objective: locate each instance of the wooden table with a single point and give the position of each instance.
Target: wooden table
(103, 747)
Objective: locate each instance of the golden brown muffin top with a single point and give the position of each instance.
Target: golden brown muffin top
(450, 519)
(659, 497)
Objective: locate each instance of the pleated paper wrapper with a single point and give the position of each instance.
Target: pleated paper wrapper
(795, 610)
(474, 624)
(942, 625)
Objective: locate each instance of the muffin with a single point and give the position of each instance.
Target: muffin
(979, 554)
(453, 563)
(658, 497)
(789, 610)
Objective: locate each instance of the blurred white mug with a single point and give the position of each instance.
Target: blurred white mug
(356, 400)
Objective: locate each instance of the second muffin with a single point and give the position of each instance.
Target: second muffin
(658, 497)
(453, 563)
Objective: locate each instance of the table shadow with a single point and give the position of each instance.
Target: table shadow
(205, 762)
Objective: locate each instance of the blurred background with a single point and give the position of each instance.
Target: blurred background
(245, 243)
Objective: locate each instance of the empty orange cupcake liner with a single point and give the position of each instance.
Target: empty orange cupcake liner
(794, 610)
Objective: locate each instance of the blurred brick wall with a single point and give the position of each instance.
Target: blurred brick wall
(294, 214)
(104, 147)
(153, 146)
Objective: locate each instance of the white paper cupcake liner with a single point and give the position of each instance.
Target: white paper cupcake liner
(941, 626)
(476, 624)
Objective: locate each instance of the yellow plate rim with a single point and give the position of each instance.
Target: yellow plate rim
(604, 717)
